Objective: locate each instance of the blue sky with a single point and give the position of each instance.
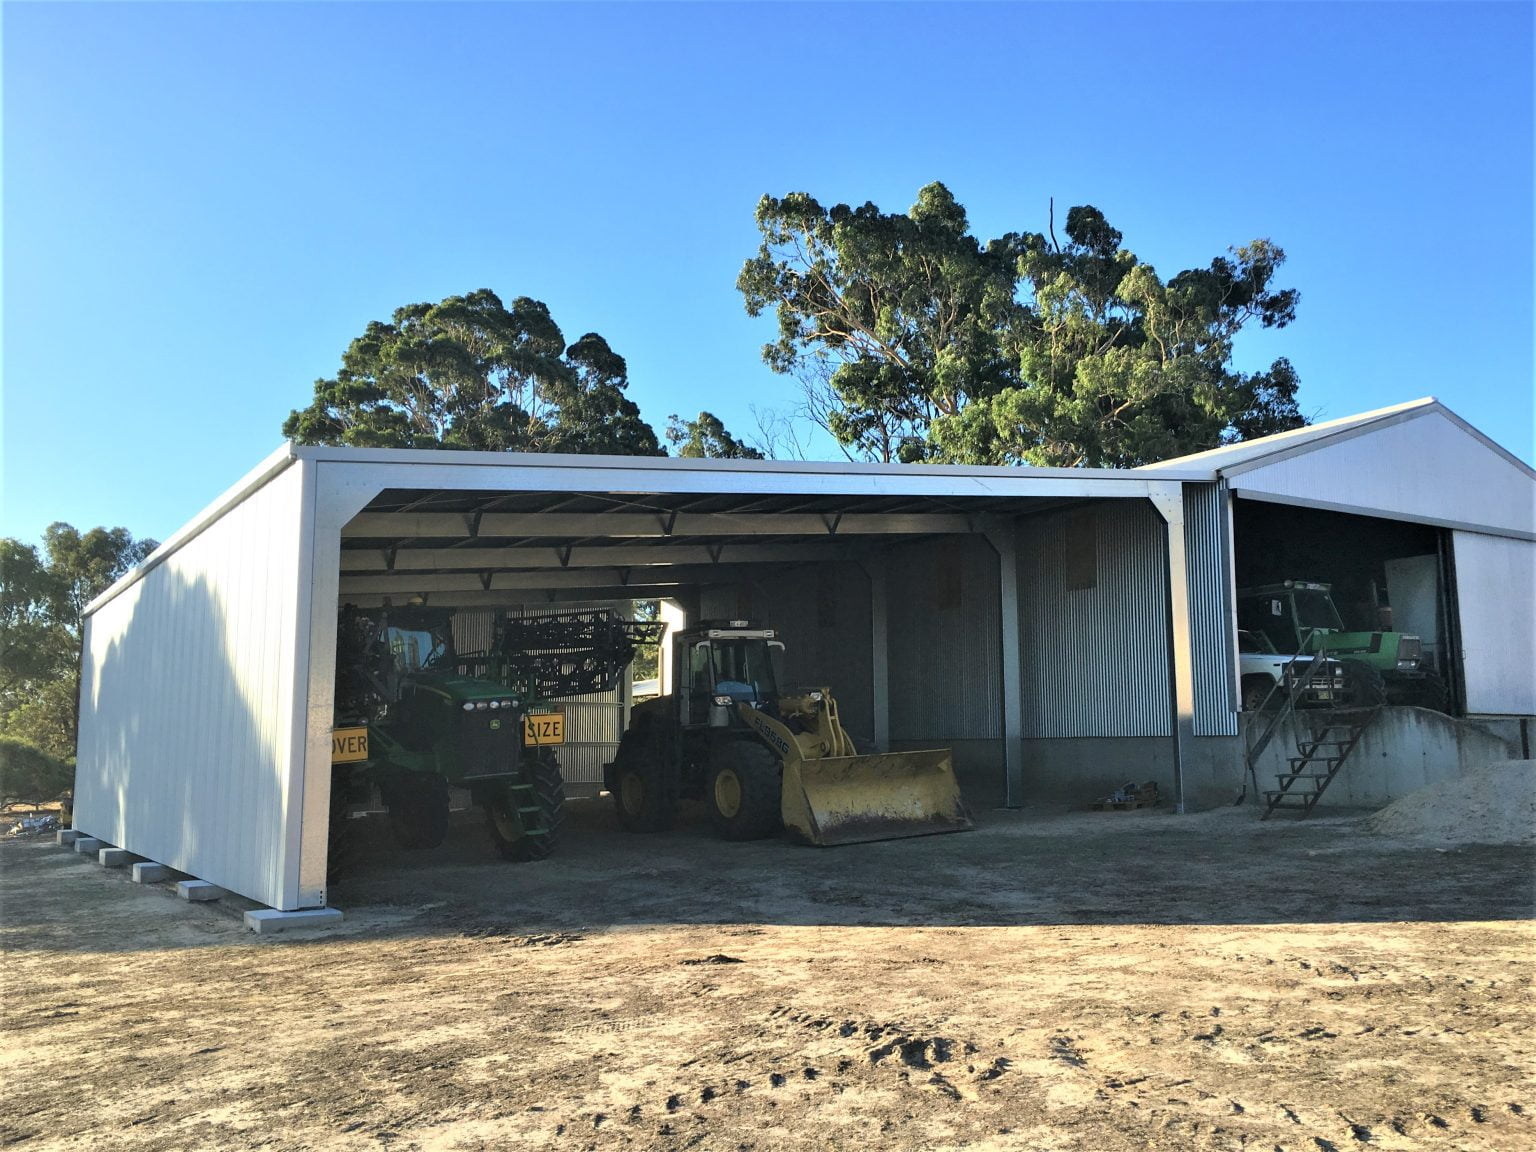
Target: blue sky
(204, 203)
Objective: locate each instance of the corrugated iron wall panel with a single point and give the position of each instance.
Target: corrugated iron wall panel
(1210, 612)
(1095, 657)
(945, 628)
(188, 702)
(821, 613)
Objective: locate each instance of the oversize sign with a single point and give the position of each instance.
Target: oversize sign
(545, 728)
(348, 745)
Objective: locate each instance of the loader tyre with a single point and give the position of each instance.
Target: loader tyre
(525, 836)
(418, 809)
(745, 791)
(644, 787)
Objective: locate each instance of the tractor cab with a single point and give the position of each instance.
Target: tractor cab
(720, 666)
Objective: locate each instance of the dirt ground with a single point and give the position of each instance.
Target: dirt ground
(1054, 980)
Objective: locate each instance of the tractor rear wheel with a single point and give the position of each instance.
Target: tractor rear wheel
(341, 838)
(524, 818)
(745, 791)
(644, 784)
(418, 809)
(1430, 692)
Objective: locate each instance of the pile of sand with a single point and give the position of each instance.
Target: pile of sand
(1495, 804)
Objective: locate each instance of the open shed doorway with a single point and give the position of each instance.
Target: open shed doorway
(1384, 575)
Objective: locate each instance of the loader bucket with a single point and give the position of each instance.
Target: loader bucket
(850, 799)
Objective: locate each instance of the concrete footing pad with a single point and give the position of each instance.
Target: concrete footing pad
(65, 837)
(89, 845)
(115, 857)
(149, 872)
(198, 891)
(265, 920)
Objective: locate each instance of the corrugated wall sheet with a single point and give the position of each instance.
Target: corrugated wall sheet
(188, 703)
(944, 628)
(1210, 611)
(1093, 588)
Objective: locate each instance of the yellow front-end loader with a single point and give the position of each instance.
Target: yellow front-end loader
(762, 761)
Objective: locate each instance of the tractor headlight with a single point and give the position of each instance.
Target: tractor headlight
(469, 705)
(481, 705)
(723, 701)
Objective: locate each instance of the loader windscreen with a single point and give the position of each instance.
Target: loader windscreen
(743, 670)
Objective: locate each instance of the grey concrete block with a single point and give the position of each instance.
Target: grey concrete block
(115, 857)
(198, 891)
(149, 872)
(271, 920)
(89, 845)
(65, 837)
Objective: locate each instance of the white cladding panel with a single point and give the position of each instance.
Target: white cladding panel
(188, 703)
(1427, 469)
(1496, 597)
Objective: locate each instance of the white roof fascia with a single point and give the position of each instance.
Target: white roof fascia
(1235, 459)
(1229, 458)
(257, 478)
(418, 457)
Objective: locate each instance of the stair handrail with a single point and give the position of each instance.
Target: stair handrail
(1298, 686)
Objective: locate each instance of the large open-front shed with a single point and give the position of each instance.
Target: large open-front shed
(1062, 630)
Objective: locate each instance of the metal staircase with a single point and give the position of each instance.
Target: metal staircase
(1319, 756)
(1319, 761)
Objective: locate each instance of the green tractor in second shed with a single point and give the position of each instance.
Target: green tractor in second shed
(415, 718)
(1299, 617)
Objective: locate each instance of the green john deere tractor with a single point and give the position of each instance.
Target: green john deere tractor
(1298, 616)
(414, 718)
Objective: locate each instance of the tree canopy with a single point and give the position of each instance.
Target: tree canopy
(915, 341)
(42, 605)
(706, 436)
(471, 373)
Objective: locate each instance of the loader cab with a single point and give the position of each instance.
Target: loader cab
(721, 666)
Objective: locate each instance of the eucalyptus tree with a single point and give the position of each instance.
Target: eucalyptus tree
(472, 373)
(914, 340)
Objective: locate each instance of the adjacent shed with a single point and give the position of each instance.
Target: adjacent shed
(1062, 630)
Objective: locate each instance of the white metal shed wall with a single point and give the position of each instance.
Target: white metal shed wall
(1496, 600)
(1427, 468)
(189, 700)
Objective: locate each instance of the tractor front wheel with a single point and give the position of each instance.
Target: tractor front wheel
(418, 809)
(745, 791)
(644, 785)
(524, 818)
(1363, 685)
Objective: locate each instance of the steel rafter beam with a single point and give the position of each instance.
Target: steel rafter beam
(646, 525)
(405, 585)
(619, 556)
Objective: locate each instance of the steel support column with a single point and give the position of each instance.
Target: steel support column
(1004, 539)
(1168, 499)
(880, 672)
